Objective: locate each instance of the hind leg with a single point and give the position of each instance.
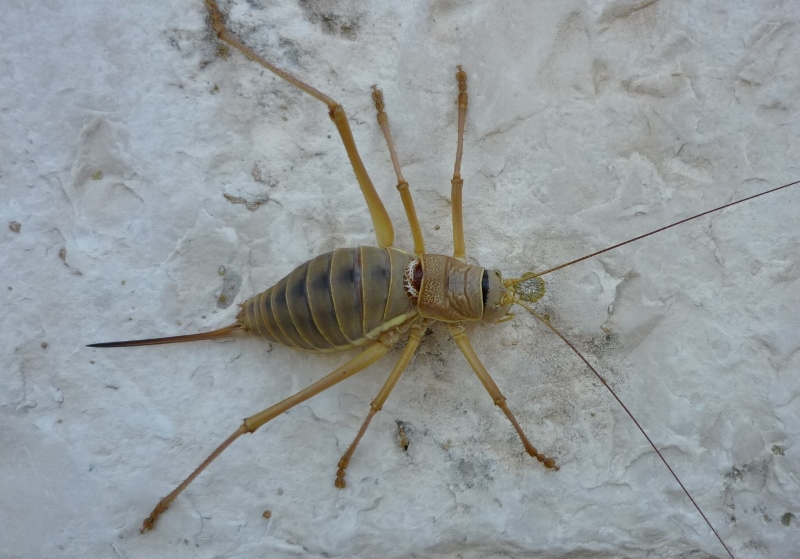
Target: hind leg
(384, 232)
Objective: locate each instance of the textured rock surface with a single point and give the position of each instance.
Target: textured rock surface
(125, 143)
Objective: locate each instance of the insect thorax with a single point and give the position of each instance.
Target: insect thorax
(449, 290)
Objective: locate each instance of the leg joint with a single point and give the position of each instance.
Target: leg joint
(335, 112)
(247, 426)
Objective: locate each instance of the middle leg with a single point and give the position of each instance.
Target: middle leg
(459, 247)
(377, 404)
(402, 184)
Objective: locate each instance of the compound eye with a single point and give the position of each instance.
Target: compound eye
(496, 307)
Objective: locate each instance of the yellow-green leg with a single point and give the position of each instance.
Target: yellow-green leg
(459, 247)
(358, 363)
(384, 232)
(377, 404)
(402, 184)
(465, 346)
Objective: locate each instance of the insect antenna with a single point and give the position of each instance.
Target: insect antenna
(547, 323)
(531, 275)
(527, 289)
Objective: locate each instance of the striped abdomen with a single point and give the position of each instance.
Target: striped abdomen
(333, 302)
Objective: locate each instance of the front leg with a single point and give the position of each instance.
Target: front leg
(465, 346)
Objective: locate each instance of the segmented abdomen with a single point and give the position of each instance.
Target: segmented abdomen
(336, 301)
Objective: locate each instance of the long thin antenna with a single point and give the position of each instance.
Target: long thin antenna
(627, 411)
(659, 230)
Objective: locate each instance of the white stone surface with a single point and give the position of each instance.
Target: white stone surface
(589, 123)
